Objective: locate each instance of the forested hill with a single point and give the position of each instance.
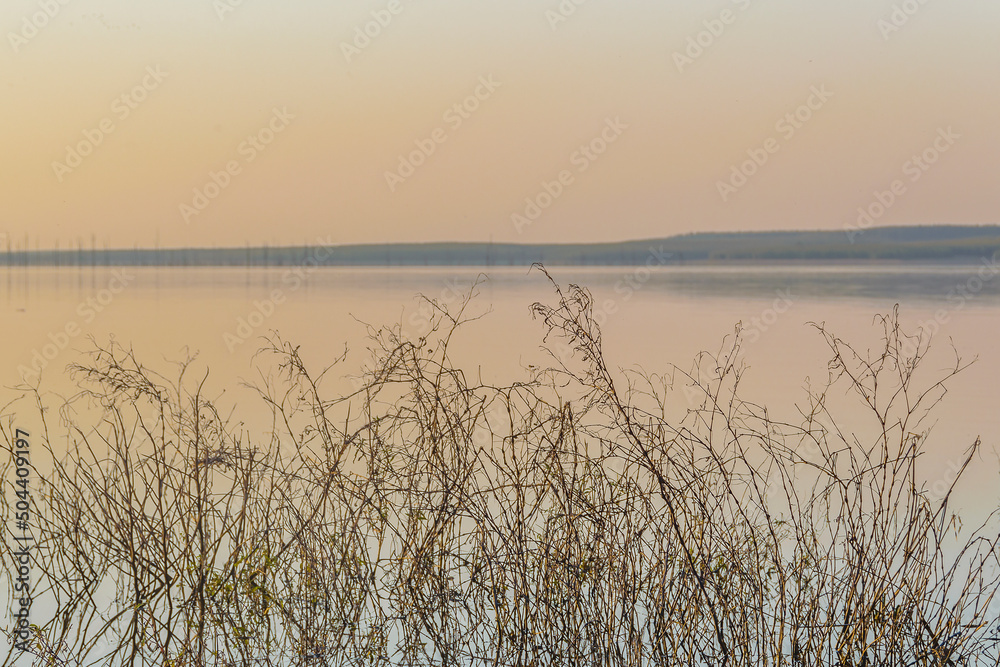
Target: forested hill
(925, 244)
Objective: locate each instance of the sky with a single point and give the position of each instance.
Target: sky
(232, 122)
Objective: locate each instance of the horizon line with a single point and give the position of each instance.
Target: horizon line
(250, 247)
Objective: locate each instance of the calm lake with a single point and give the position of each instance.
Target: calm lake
(650, 319)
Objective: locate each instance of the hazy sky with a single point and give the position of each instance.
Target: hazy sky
(139, 121)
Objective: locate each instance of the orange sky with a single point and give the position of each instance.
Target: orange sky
(139, 122)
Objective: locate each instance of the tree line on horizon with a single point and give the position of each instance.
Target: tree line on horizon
(931, 243)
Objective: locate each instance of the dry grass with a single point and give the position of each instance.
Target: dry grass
(577, 518)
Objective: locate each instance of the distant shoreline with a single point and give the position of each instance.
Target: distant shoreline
(939, 244)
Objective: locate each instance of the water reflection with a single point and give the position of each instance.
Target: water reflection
(920, 283)
(665, 316)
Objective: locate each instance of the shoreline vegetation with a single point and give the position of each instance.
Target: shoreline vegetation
(941, 243)
(582, 516)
